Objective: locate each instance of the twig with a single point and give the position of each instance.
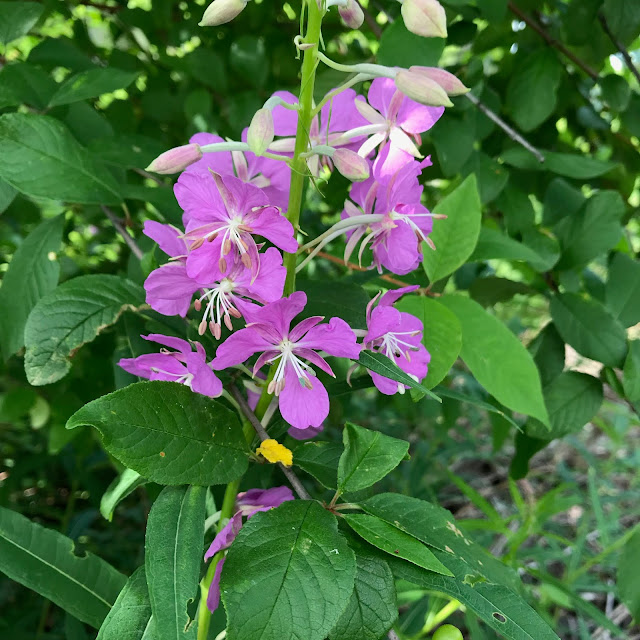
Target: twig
(263, 435)
(129, 241)
(621, 48)
(553, 42)
(371, 22)
(512, 133)
(150, 176)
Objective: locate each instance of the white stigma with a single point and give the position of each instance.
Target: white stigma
(219, 308)
(286, 357)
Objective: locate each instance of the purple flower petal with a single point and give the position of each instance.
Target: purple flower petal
(225, 536)
(300, 406)
(169, 289)
(167, 237)
(213, 597)
(204, 380)
(336, 338)
(238, 347)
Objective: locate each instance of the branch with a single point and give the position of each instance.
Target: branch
(512, 133)
(263, 435)
(621, 48)
(129, 241)
(553, 42)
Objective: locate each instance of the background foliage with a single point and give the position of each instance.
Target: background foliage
(540, 254)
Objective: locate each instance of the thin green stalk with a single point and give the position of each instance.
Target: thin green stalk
(449, 609)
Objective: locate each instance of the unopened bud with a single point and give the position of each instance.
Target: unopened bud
(451, 85)
(421, 89)
(260, 134)
(221, 12)
(425, 18)
(352, 14)
(351, 165)
(176, 160)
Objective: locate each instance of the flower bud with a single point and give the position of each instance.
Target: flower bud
(176, 160)
(351, 165)
(425, 18)
(352, 14)
(451, 84)
(221, 12)
(260, 134)
(422, 89)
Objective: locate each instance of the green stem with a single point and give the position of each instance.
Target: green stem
(440, 617)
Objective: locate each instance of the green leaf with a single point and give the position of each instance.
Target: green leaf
(173, 556)
(72, 315)
(368, 457)
(33, 272)
(379, 363)
(631, 372)
(122, 486)
(395, 542)
(288, 574)
(455, 238)
(561, 200)
(594, 229)
(437, 528)
(91, 84)
(499, 607)
(491, 175)
(461, 397)
(130, 151)
(453, 139)
(570, 165)
(622, 292)
(539, 74)
(130, 616)
(249, 58)
(628, 584)
(497, 359)
(442, 335)
(44, 560)
(526, 447)
(372, 609)
(320, 459)
(493, 244)
(17, 18)
(623, 18)
(548, 352)
(22, 83)
(572, 399)
(589, 328)
(331, 298)
(7, 195)
(168, 434)
(491, 290)
(615, 91)
(66, 171)
(401, 48)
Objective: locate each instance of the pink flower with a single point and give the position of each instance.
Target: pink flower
(304, 401)
(184, 365)
(396, 239)
(336, 117)
(222, 214)
(397, 119)
(272, 176)
(247, 504)
(398, 336)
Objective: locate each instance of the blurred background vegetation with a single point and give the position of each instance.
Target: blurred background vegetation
(562, 74)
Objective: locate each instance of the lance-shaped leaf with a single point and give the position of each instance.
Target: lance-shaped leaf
(126, 483)
(16, 18)
(168, 434)
(320, 459)
(173, 556)
(623, 289)
(91, 84)
(72, 315)
(288, 574)
(372, 608)
(66, 171)
(368, 457)
(394, 541)
(130, 617)
(43, 560)
(33, 272)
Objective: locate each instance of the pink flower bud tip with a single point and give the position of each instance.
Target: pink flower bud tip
(221, 11)
(261, 133)
(351, 165)
(422, 89)
(176, 159)
(451, 84)
(425, 18)
(351, 14)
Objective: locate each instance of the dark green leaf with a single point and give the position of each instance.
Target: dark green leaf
(66, 171)
(547, 350)
(561, 200)
(17, 18)
(320, 459)
(131, 614)
(628, 585)
(623, 18)
(491, 290)
(44, 560)
(622, 291)
(631, 374)
(394, 541)
(453, 139)
(589, 328)
(173, 556)
(498, 359)
(340, 299)
(249, 58)
(72, 315)
(401, 48)
(22, 83)
(7, 194)
(368, 457)
(168, 434)
(526, 448)
(461, 397)
(616, 92)
(91, 84)
(455, 238)
(122, 486)
(33, 272)
(570, 165)
(289, 573)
